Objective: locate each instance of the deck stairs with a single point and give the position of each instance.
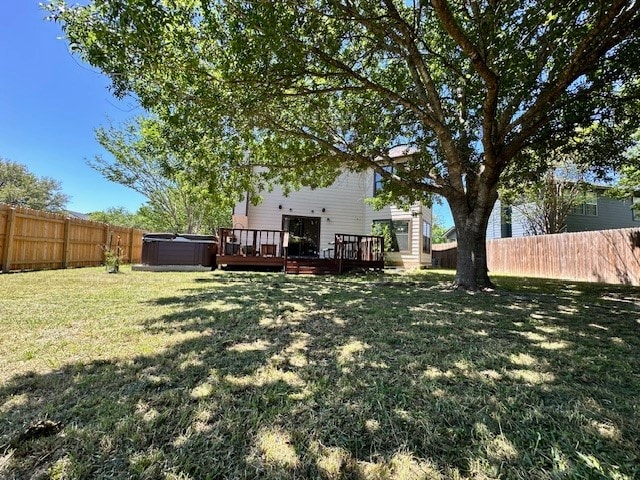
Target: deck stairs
(311, 266)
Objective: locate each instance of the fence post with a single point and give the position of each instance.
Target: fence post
(131, 245)
(67, 243)
(8, 240)
(107, 241)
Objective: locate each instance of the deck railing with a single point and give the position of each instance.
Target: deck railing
(251, 243)
(358, 250)
(242, 246)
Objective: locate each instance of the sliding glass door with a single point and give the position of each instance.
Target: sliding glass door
(304, 235)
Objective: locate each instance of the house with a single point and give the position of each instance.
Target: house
(451, 234)
(596, 212)
(313, 217)
(78, 215)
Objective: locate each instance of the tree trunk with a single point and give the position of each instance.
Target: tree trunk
(480, 258)
(465, 266)
(472, 272)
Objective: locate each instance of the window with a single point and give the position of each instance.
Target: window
(395, 233)
(378, 180)
(588, 205)
(506, 228)
(426, 237)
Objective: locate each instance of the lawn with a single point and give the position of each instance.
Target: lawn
(237, 375)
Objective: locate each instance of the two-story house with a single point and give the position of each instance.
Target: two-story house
(597, 211)
(313, 217)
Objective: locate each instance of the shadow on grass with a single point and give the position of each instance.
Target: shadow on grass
(351, 377)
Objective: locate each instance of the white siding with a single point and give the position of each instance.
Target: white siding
(345, 211)
(414, 257)
(343, 204)
(518, 223)
(425, 258)
(494, 228)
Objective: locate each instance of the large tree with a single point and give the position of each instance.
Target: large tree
(307, 87)
(144, 161)
(22, 188)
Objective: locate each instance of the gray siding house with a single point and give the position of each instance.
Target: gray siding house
(598, 212)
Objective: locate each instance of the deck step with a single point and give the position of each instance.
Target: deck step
(311, 266)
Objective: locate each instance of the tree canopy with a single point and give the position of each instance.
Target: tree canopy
(145, 162)
(119, 216)
(21, 188)
(628, 185)
(307, 88)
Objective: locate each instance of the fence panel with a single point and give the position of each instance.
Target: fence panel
(609, 256)
(35, 240)
(444, 255)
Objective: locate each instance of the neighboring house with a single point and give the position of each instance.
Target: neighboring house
(78, 215)
(596, 212)
(451, 234)
(317, 215)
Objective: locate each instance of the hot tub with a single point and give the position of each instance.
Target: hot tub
(172, 249)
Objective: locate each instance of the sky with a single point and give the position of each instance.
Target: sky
(50, 105)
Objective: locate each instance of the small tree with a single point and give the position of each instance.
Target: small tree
(544, 205)
(146, 162)
(113, 254)
(21, 188)
(119, 216)
(384, 230)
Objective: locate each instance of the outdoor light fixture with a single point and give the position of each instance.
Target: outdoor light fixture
(324, 210)
(279, 207)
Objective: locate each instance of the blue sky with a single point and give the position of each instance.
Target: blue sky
(50, 105)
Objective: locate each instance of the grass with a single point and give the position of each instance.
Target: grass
(240, 375)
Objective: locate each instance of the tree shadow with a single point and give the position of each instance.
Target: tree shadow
(350, 377)
(621, 260)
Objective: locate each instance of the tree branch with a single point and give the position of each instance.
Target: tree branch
(491, 79)
(584, 60)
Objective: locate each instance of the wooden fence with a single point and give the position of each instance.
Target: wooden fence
(443, 255)
(35, 240)
(609, 256)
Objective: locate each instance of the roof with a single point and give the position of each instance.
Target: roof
(451, 233)
(402, 151)
(81, 216)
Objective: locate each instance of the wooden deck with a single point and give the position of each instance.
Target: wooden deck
(250, 249)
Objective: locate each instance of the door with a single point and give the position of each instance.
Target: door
(304, 235)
